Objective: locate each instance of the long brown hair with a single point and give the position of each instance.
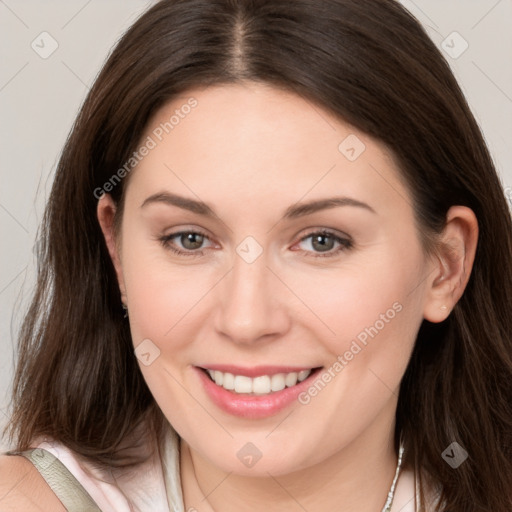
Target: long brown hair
(367, 61)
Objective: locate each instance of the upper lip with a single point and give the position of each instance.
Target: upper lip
(255, 371)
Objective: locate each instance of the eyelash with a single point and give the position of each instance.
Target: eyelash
(345, 243)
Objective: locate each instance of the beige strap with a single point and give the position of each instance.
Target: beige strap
(62, 482)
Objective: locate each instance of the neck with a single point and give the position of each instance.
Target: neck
(357, 478)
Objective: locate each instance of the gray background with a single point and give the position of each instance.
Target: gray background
(39, 98)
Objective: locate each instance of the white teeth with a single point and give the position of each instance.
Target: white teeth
(219, 378)
(229, 381)
(278, 382)
(304, 374)
(261, 385)
(243, 384)
(291, 379)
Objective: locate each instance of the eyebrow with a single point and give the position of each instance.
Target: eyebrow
(292, 212)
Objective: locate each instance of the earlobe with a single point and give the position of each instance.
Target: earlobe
(106, 213)
(455, 257)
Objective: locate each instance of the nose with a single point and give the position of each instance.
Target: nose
(252, 303)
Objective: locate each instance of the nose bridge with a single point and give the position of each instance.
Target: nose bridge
(249, 306)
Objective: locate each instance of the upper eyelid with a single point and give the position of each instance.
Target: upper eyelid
(327, 231)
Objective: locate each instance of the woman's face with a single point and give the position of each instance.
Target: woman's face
(258, 293)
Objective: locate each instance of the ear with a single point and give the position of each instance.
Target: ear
(106, 212)
(455, 257)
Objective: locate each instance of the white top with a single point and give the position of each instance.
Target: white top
(144, 489)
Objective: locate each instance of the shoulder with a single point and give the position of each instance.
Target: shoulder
(23, 488)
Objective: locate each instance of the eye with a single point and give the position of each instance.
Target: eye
(324, 241)
(189, 240)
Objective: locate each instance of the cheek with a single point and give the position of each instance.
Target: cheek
(381, 328)
(375, 318)
(362, 300)
(370, 316)
(160, 293)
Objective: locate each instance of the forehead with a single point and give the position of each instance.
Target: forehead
(252, 140)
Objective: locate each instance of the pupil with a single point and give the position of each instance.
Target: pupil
(189, 237)
(323, 247)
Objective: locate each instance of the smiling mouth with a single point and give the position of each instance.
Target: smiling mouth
(261, 385)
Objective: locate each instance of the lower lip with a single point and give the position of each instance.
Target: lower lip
(253, 406)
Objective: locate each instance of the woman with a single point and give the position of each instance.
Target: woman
(277, 275)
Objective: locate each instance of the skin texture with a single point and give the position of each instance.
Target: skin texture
(23, 488)
(250, 151)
